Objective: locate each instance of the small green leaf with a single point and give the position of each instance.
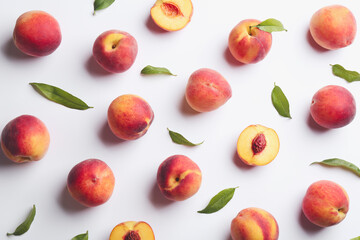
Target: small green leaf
(58, 95)
(271, 25)
(180, 139)
(25, 226)
(340, 71)
(280, 102)
(83, 236)
(102, 4)
(357, 238)
(155, 70)
(219, 201)
(336, 162)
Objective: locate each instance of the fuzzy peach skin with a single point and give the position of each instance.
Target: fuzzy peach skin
(37, 33)
(172, 15)
(249, 45)
(129, 117)
(333, 27)
(91, 182)
(254, 224)
(258, 145)
(178, 178)
(333, 107)
(115, 51)
(25, 139)
(132, 230)
(325, 203)
(207, 90)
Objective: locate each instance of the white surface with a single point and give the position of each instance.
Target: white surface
(294, 63)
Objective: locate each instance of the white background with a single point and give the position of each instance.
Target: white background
(294, 62)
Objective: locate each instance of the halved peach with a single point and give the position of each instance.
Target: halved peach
(258, 145)
(132, 230)
(172, 15)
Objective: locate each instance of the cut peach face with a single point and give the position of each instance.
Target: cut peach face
(258, 145)
(132, 230)
(172, 15)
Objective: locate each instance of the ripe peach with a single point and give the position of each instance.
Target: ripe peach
(25, 139)
(91, 182)
(333, 107)
(207, 90)
(333, 27)
(132, 230)
(172, 15)
(249, 45)
(178, 177)
(325, 203)
(37, 33)
(129, 117)
(115, 50)
(258, 145)
(254, 224)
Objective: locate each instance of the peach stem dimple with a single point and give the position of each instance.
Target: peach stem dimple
(171, 9)
(258, 143)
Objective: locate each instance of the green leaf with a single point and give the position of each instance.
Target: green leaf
(340, 71)
(84, 236)
(280, 102)
(58, 95)
(25, 226)
(357, 238)
(180, 139)
(271, 25)
(102, 4)
(219, 201)
(336, 162)
(155, 70)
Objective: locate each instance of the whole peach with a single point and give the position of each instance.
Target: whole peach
(254, 224)
(207, 90)
(129, 117)
(325, 203)
(115, 50)
(91, 182)
(37, 33)
(333, 107)
(25, 139)
(249, 44)
(178, 178)
(333, 27)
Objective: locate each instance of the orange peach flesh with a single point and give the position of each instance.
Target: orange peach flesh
(132, 230)
(258, 145)
(172, 15)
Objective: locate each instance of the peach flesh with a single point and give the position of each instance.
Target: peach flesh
(170, 9)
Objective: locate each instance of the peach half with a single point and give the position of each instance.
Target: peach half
(132, 230)
(258, 145)
(172, 15)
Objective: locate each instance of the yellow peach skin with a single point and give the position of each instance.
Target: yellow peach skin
(258, 145)
(249, 45)
(172, 15)
(132, 230)
(333, 27)
(254, 224)
(129, 117)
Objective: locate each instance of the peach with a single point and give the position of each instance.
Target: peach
(129, 117)
(132, 230)
(178, 178)
(91, 182)
(37, 33)
(333, 107)
(333, 27)
(249, 44)
(25, 139)
(258, 145)
(254, 224)
(115, 51)
(207, 90)
(172, 15)
(325, 203)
